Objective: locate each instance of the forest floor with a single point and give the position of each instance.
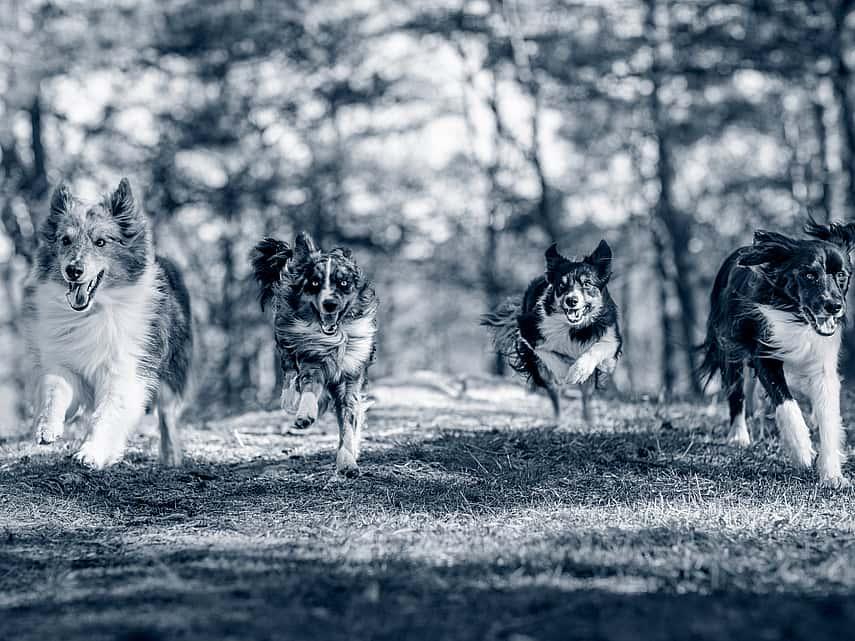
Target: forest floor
(475, 517)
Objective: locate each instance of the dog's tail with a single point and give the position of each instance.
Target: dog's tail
(711, 359)
(502, 323)
(269, 258)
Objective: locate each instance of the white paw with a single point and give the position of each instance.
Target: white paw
(345, 464)
(47, 431)
(96, 455)
(738, 434)
(739, 438)
(838, 482)
(307, 412)
(580, 372)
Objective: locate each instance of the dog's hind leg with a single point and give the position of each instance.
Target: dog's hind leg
(351, 414)
(733, 379)
(168, 412)
(55, 397)
(791, 424)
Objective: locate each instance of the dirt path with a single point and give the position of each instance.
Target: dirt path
(475, 517)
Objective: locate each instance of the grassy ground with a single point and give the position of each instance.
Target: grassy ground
(475, 517)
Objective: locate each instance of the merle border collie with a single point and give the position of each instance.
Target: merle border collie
(325, 330)
(564, 329)
(109, 325)
(778, 306)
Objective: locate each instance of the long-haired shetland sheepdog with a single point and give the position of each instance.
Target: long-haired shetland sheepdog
(109, 325)
(779, 305)
(325, 329)
(565, 328)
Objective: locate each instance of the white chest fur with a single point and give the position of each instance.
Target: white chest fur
(109, 338)
(806, 355)
(350, 346)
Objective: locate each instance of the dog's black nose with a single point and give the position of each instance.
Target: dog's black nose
(571, 301)
(74, 272)
(329, 306)
(832, 307)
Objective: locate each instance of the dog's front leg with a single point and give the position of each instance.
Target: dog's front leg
(120, 401)
(350, 414)
(603, 352)
(311, 385)
(824, 393)
(791, 424)
(55, 396)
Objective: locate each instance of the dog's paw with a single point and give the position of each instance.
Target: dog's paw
(303, 422)
(580, 372)
(307, 412)
(838, 482)
(96, 455)
(738, 434)
(47, 431)
(345, 464)
(802, 455)
(739, 439)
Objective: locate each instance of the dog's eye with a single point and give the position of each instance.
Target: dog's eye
(100, 242)
(315, 283)
(343, 284)
(811, 276)
(66, 240)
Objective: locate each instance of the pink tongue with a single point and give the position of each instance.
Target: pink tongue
(80, 295)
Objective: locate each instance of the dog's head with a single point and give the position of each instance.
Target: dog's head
(326, 283)
(84, 246)
(809, 277)
(579, 286)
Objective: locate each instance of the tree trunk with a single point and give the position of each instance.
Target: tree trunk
(677, 225)
(669, 374)
(840, 81)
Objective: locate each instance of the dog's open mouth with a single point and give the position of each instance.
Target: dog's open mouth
(329, 323)
(80, 294)
(577, 315)
(823, 326)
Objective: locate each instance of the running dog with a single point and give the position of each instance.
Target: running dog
(325, 330)
(779, 306)
(109, 326)
(564, 329)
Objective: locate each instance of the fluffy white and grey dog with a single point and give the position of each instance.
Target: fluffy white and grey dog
(109, 326)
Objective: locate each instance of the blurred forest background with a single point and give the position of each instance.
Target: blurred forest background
(446, 142)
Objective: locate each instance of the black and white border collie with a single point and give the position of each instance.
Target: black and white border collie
(779, 306)
(564, 329)
(325, 329)
(109, 325)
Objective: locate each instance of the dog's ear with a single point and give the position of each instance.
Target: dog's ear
(61, 200)
(769, 248)
(123, 207)
(553, 258)
(836, 233)
(304, 247)
(601, 259)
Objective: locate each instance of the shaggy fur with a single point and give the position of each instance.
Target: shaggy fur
(779, 307)
(108, 324)
(564, 329)
(325, 328)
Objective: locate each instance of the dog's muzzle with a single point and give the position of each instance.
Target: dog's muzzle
(81, 293)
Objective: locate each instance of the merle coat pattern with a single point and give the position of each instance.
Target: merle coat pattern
(565, 327)
(778, 306)
(325, 329)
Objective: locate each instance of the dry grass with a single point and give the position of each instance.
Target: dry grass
(475, 518)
